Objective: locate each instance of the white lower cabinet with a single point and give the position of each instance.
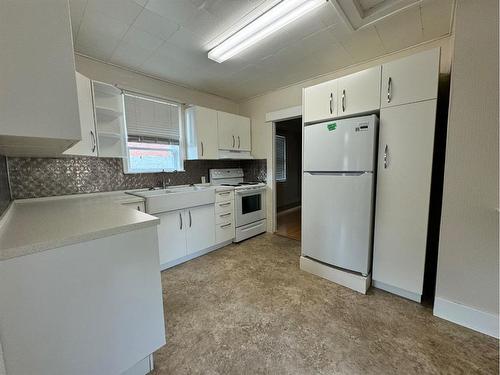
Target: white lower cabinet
(200, 228)
(406, 142)
(185, 232)
(171, 236)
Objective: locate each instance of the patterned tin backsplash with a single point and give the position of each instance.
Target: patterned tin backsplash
(43, 177)
(4, 185)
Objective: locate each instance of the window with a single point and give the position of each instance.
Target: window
(280, 158)
(153, 135)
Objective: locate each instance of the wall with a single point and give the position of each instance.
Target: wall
(43, 177)
(4, 186)
(256, 108)
(288, 193)
(468, 262)
(127, 79)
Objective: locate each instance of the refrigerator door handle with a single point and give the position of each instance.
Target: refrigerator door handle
(386, 151)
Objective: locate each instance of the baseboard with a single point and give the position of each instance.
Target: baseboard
(398, 291)
(178, 261)
(467, 316)
(348, 279)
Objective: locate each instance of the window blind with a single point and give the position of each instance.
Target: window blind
(152, 118)
(280, 158)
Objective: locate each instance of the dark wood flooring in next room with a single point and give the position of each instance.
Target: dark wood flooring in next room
(288, 223)
(248, 309)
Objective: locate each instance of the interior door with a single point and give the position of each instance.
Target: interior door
(403, 190)
(359, 92)
(411, 79)
(337, 211)
(172, 236)
(320, 102)
(200, 227)
(88, 145)
(225, 124)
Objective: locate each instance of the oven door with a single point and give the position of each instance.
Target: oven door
(250, 206)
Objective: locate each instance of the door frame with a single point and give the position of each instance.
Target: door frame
(284, 114)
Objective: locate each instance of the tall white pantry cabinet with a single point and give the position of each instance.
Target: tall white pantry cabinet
(406, 143)
(405, 92)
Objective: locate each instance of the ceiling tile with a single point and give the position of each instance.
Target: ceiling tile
(155, 24)
(130, 55)
(121, 10)
(178, 11)
(363, 44)
(436, 17)
(401, 31)
(141, 2)
(142, 39)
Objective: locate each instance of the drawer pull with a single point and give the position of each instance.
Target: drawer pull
(226, 225)
(224, 204)
(224, 215)
(225, 193)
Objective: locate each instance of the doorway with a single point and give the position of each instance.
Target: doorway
(288, 170)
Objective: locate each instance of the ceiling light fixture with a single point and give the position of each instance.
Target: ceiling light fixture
(274, 19)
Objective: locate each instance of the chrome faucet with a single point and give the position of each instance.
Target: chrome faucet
(164, 181)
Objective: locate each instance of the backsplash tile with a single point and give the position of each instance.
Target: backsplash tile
(43, 177)
(4, 185)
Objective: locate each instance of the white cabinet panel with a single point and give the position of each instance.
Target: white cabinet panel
(201, 133)
(359, 92)
(200, 228)
(224, 231)
(38, 95)
(234, 132)
(172, 236)
(403, 190)
(411, 79)
(320, 101)
(88, 145)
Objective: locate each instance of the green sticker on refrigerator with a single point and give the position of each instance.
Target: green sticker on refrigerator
(331, 126)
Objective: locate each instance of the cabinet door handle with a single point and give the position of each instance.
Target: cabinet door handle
(389, 90)
(138, 208)
(233, 141)
(239, 143)
(94, 143)
(190, 219)
(202, 151)
(386, 151)
(343, 100)
(331, 103)
(225, 225)
(180, 221)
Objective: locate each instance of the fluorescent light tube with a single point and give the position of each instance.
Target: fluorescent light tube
(274, 19)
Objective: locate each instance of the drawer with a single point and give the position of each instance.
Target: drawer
(223, 196)
(227, 206)
(224, 232)
(139, 206)
(224, 217)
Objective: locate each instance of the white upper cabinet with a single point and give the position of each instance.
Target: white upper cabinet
(359, 92)
(320, 101)
(411, 79)
(234, 132)
(88, 145)
(201, 133)
(38, 95)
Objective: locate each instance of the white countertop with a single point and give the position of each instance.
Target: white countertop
(35, 225)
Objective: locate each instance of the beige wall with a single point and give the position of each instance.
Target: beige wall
(256, 108)
(133, 81)
(468, 252)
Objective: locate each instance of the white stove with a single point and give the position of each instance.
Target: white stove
(250, 201)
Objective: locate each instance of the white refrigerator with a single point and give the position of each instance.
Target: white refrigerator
(338, 192)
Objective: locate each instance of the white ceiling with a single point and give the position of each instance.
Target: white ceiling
(170, 39)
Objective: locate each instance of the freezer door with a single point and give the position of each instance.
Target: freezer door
(341, 145)
(337, 213)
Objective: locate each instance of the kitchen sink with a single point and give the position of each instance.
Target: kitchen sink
(176, 198)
